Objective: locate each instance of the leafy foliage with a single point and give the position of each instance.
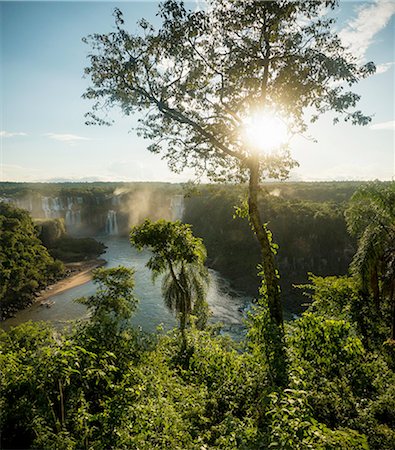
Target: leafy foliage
(70, 249)
(105, 384)
(203, 71)
(371, 218)
(25, 264)
(338, 343)
(180, 257)
(114, 295)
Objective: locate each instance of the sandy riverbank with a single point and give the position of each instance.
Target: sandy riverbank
(77, 274)
(80, 273)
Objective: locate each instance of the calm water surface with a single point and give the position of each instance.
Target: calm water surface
(151, 312)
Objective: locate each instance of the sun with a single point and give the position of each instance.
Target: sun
(264, 131)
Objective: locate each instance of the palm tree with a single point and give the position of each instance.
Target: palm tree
(184, 290)
(371, 218)
(179, 257)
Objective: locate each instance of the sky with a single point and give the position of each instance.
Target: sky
(43, 136)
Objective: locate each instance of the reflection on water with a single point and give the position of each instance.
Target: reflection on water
(224, 303)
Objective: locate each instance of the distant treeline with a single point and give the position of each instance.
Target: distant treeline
(315, 191)
(74, 188)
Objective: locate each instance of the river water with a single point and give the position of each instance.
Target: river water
(224, 302)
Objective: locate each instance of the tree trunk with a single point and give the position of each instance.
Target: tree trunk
(183, 311)
(268, 261)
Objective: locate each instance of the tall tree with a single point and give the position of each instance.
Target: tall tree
(371, 218)
(179, 257)
(204, 73)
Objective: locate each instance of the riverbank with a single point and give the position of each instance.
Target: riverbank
(79, 273)
(76, 274)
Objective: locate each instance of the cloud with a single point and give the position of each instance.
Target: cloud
(382, 68)
(68, 138)
(7, 134)
(358, 35)
(390, 125)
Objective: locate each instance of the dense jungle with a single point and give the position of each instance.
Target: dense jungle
(102, 383)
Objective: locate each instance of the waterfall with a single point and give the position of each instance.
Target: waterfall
(57, 206)
(111, 223)
(177, 207)
(69, 218)
(72, 216)
(45, 205)
(72, 219)
(52, 207)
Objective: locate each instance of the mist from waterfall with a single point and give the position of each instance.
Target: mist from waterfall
(110, 213)
(141, 204)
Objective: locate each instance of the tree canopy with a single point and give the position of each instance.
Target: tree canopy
(371, 218)
(179, 256)
(203, 72)
(25, 264)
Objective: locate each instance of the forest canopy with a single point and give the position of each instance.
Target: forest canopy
(25, 264)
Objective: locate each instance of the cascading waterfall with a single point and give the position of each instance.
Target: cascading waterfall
(69, 218)
(111, 223)
(72, 216)
(46, 207)
(57, 206)
(177, 207)
(52, 207)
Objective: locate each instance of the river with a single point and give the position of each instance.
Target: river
(151, 312)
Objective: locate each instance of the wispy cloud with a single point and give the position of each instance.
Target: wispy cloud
(8, 134)
(65, 137)
(359, 33)
(382, 68)
(390, 125)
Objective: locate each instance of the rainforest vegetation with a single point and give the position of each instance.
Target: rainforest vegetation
(25, 264)
(32, 256)
(105, 384)
(311, 234)
(322, 381)
(60, 245)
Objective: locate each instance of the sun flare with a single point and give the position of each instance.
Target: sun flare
(264, 131)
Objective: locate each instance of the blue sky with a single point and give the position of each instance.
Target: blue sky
(42, 130)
